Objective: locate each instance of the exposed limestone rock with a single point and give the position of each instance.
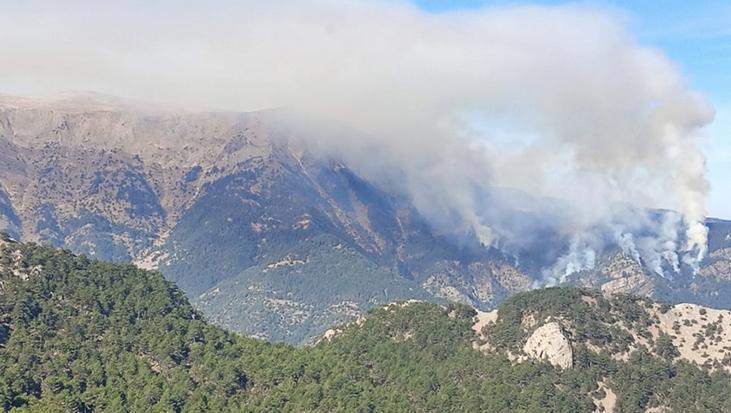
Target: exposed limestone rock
(719, 266)
(658, 409)
(626, 276)
(548, 342)
(480, 283)
(288, 261)
(701, 335)
(14, 262)
(483, 320)
(448, 286)
(329, 334)
(607, 403)
(637, 284)
(617, 273)
(528, 321)
(401, 304)
(510, 277)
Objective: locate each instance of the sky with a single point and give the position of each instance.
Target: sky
(696, 35)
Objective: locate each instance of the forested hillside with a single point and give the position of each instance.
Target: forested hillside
(81, 335)
(270, 236)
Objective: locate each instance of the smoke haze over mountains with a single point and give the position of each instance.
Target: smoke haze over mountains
(560, 102)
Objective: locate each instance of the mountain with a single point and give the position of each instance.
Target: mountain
(266, 236)
(87, 336)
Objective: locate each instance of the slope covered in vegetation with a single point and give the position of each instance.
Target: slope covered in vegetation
(80, 335)
(271, 236)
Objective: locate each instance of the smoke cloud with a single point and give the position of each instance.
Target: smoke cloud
(559, 102)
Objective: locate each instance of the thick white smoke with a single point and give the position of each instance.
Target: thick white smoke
(559, 102)
(649, 237)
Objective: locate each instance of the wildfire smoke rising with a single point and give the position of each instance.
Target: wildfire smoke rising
(560, 102)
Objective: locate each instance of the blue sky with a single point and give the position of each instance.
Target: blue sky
(697, 37)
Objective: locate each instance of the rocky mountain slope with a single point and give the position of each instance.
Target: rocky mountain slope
(557, 324)
(86, 336)
(264, 236)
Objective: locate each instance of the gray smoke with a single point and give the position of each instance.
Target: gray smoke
(560, 102)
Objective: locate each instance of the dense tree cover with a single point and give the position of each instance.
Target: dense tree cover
(79, 335)
(327, 275)
(86, 336)
(592, 315)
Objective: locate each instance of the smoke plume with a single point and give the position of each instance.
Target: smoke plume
(559, 102)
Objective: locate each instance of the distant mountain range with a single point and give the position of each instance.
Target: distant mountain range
(266, 238)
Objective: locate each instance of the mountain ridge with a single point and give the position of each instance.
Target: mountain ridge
(213, 197)
(83, 335)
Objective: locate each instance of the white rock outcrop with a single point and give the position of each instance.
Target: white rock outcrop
(548, 342)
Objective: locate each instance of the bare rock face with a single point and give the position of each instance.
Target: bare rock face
(549, 343)
(719, 264)
(629, 285)
(618, 273)
(627, 276)
(701, 335)
(477, 283)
